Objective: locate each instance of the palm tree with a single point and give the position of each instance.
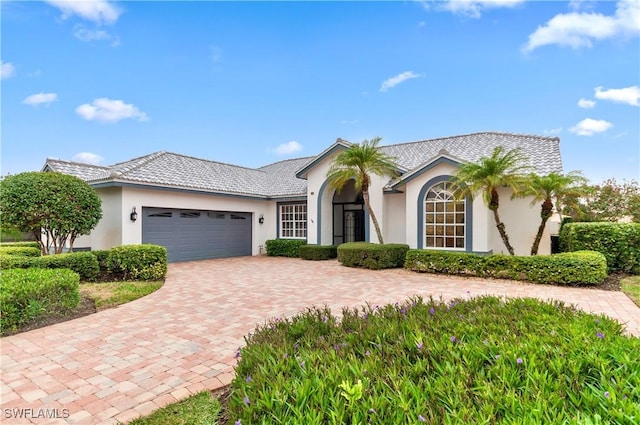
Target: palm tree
(553, 187)
(487, 175)
(357, 163)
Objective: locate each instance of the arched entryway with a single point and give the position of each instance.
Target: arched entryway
(348, 215)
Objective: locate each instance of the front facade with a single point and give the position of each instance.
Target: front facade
(204, 209)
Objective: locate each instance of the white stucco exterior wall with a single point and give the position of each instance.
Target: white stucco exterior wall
(394, 224)
(108, 232)
(521, 221)
(117, 229)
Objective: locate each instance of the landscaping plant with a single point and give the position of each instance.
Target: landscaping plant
(480, 360)
(358, 162)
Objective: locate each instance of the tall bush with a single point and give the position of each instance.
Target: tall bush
(618, 242)
(55, 207)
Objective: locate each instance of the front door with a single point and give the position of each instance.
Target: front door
(353, 225)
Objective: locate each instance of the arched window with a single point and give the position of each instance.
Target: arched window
(444, 218)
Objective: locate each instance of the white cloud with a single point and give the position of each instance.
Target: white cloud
(579, 29)
(557, 130)
(98, 11)
(586, 103)
(7, 70)
(85, 34)
(474, 8)
(394, 81)
(628, 95)
(87, 158)
(108, 110)
(288, 148)
(40, 98)
(589, 127)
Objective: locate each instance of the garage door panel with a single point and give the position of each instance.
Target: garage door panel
(195, 234)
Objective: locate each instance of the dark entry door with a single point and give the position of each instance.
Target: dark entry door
(353, 225)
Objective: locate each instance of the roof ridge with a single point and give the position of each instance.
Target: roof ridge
(500, 133)
(84, 164)
(136, 162)
(286, 160)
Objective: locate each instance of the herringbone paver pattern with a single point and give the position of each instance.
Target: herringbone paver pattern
(125, 362)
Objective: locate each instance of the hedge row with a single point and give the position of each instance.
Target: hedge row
(145, 262)
(83, 263)
(318, 252)
(24, 251)
(27, 294)
(131, 262)
(372, 256)
(570, 268)
(284, 247)
(618, 242)
(24, 244)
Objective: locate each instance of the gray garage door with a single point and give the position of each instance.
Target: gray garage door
(195, 234)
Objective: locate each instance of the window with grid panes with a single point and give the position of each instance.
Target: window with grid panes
(444, 218)
(293, 221)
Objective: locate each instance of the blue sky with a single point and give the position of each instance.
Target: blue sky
(253, 83)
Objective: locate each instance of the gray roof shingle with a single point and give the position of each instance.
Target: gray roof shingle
(279, 179)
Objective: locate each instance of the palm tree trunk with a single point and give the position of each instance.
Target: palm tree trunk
(365, 198)
(502, 231)
(493, 206)
(545, 213)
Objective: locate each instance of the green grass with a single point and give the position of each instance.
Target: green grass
(111, 294)
(200, 409)
(631, 287)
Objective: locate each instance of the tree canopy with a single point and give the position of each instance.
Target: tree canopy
(358, 163)
(55, 207)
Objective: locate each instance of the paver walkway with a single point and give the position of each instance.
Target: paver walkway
(125, 362)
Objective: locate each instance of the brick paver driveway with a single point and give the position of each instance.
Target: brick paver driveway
(125, 362)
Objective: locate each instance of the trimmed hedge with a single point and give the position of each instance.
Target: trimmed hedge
(26, 294)
(284, 247)
(569, 268)
(145, 262)
(372, 256)
(618, 242)
(318, 252)
(102, 256)
(24, 244)
(83, 263)
(23, 251)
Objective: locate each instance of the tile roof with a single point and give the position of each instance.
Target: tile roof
(279, 179)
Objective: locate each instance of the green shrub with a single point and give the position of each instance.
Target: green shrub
(83, 263)
(482, 360)
(318, 252)
(25, 251)
(284, 247)
(27, 294)
(569, 268)
(102, 256)
(144, 262)
(619, 242)
(372, 256)
(24, 244)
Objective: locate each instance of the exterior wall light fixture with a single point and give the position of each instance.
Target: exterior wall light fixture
(134, 215)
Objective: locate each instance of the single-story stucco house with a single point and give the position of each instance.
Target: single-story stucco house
(201, 209)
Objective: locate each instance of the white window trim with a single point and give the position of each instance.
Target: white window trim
(425, 224)
(294, 221)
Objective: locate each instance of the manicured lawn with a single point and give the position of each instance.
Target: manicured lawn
(631, 287)
(200, 409)
(111, 294)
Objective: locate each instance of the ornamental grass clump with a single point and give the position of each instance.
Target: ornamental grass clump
(476, 360)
